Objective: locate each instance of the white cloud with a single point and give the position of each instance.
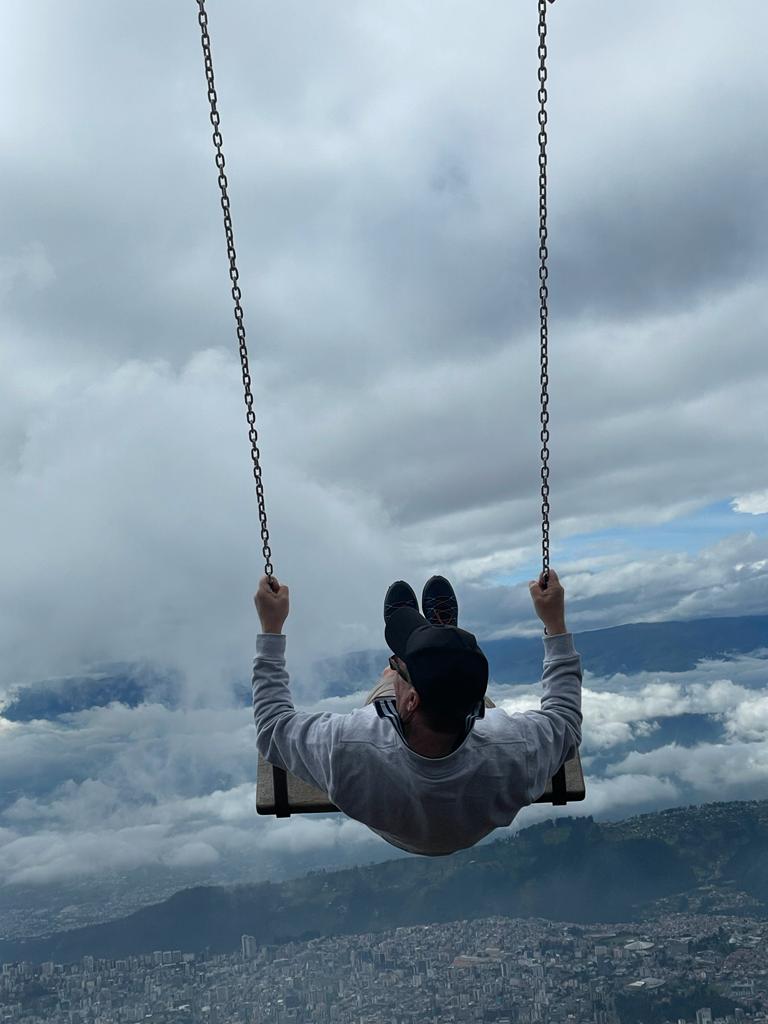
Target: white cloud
(607, 798)
(613, 717)
(755, 504)
(300, 834)
(735, 770)
(192, 855)
(119, 788)
(748, 720)
(49, 855)
(141, 787)
(625, 794)
(159, 562)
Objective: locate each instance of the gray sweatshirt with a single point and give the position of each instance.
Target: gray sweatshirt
(422, 804)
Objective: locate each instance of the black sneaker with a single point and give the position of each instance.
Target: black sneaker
(438, 602)
(399, 594)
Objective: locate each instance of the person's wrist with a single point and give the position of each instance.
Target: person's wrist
(555, 627)
(272, 627)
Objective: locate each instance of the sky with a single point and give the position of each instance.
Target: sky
(382, 168)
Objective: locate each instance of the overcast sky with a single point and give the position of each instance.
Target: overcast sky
(382, 164)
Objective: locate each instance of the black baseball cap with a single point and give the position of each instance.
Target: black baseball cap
(445, 664)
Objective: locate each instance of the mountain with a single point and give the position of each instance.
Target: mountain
(635, 647)
(670, 646)
(571, 869)
(124, 684)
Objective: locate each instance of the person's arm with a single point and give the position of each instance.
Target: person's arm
(555, 729)
(300, 743)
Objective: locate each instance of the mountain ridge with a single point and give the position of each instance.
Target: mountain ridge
(671, 646)
(568, 869)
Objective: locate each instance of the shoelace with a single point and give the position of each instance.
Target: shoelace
(442, 611)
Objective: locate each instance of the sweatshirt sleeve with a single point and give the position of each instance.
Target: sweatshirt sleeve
(555, 729)
(300, 743)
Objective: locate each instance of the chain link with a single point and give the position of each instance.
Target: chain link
(234, 277)
(543, 290)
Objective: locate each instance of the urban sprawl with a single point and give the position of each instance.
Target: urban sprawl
(497, 970)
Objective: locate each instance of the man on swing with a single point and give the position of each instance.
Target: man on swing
(429, 763)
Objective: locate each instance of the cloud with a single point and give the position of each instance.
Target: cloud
(161, 573)
(49, 856)
(614, 798)
(755, 504)
(619, 710)
(127, 755)
(627, 794)
(216, 830)
(120, 788)
(749, 719)
(31, 269)
(735, 770)
(193, 854)
(726, 578)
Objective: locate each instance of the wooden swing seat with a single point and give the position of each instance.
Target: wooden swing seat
(281, 794)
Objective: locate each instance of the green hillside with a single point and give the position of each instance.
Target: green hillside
(573, 869)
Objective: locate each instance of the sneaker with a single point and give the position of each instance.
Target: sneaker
(399, 594)
(438, 602)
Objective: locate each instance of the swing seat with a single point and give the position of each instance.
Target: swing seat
(281, 794)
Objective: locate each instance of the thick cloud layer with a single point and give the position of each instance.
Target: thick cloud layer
(382, 165)
(119, 788)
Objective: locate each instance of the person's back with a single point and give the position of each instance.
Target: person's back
(427, 766)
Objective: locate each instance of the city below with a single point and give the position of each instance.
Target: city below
(691, 968)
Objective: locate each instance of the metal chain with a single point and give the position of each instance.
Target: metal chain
(237, 295)
(234, 277)
(543, 290)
